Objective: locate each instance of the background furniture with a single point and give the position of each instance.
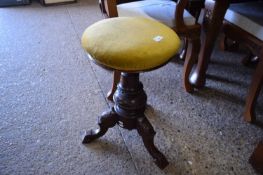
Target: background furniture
(214, 15)
(215, 11)
(56, 2)
(5, 3)
(168, 12)
(194, 7)
(244, 24)
(149, 46)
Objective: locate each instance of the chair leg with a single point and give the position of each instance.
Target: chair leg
(249, 59)
(256, 159)
(254, 92)
(116, 80)
(184, 49)
(223, 43)
(191, 58)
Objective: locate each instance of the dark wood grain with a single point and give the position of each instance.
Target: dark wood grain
(128, 112)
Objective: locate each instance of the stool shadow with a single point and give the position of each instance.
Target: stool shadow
(103, 145)
(154, 117)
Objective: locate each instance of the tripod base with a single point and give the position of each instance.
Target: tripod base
(128, 112)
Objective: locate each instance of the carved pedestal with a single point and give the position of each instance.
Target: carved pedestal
(128, 112)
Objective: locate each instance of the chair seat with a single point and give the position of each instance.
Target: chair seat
(130, 44)
(160, 10)
(248, 16)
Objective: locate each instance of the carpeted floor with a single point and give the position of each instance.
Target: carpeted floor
(50, 93)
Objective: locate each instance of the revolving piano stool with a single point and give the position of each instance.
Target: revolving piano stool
(130, 45)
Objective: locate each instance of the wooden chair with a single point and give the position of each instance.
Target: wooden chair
(171, 13)
(243, 24)
(194, 7)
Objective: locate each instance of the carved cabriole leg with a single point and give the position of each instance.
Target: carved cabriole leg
(199, 75)
(255, 49)
(254, 90)
(105, 121)
(116, 80)
(191, 58)
(147, 133)
(184, 49)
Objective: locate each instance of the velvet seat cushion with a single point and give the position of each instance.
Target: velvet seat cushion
(248, 16)
(160, 10)
(130, 44)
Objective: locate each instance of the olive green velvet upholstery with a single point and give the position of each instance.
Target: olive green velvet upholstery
(130, 44)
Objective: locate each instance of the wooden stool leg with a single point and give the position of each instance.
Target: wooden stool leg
(253, 92)
(106, 120)
(147, 133)
(116, 80)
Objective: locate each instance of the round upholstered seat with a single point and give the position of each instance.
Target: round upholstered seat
(130, 44)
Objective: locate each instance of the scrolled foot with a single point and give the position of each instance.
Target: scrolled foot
(161, 162)
(147, 133)
(90, 135)
(105, 121)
